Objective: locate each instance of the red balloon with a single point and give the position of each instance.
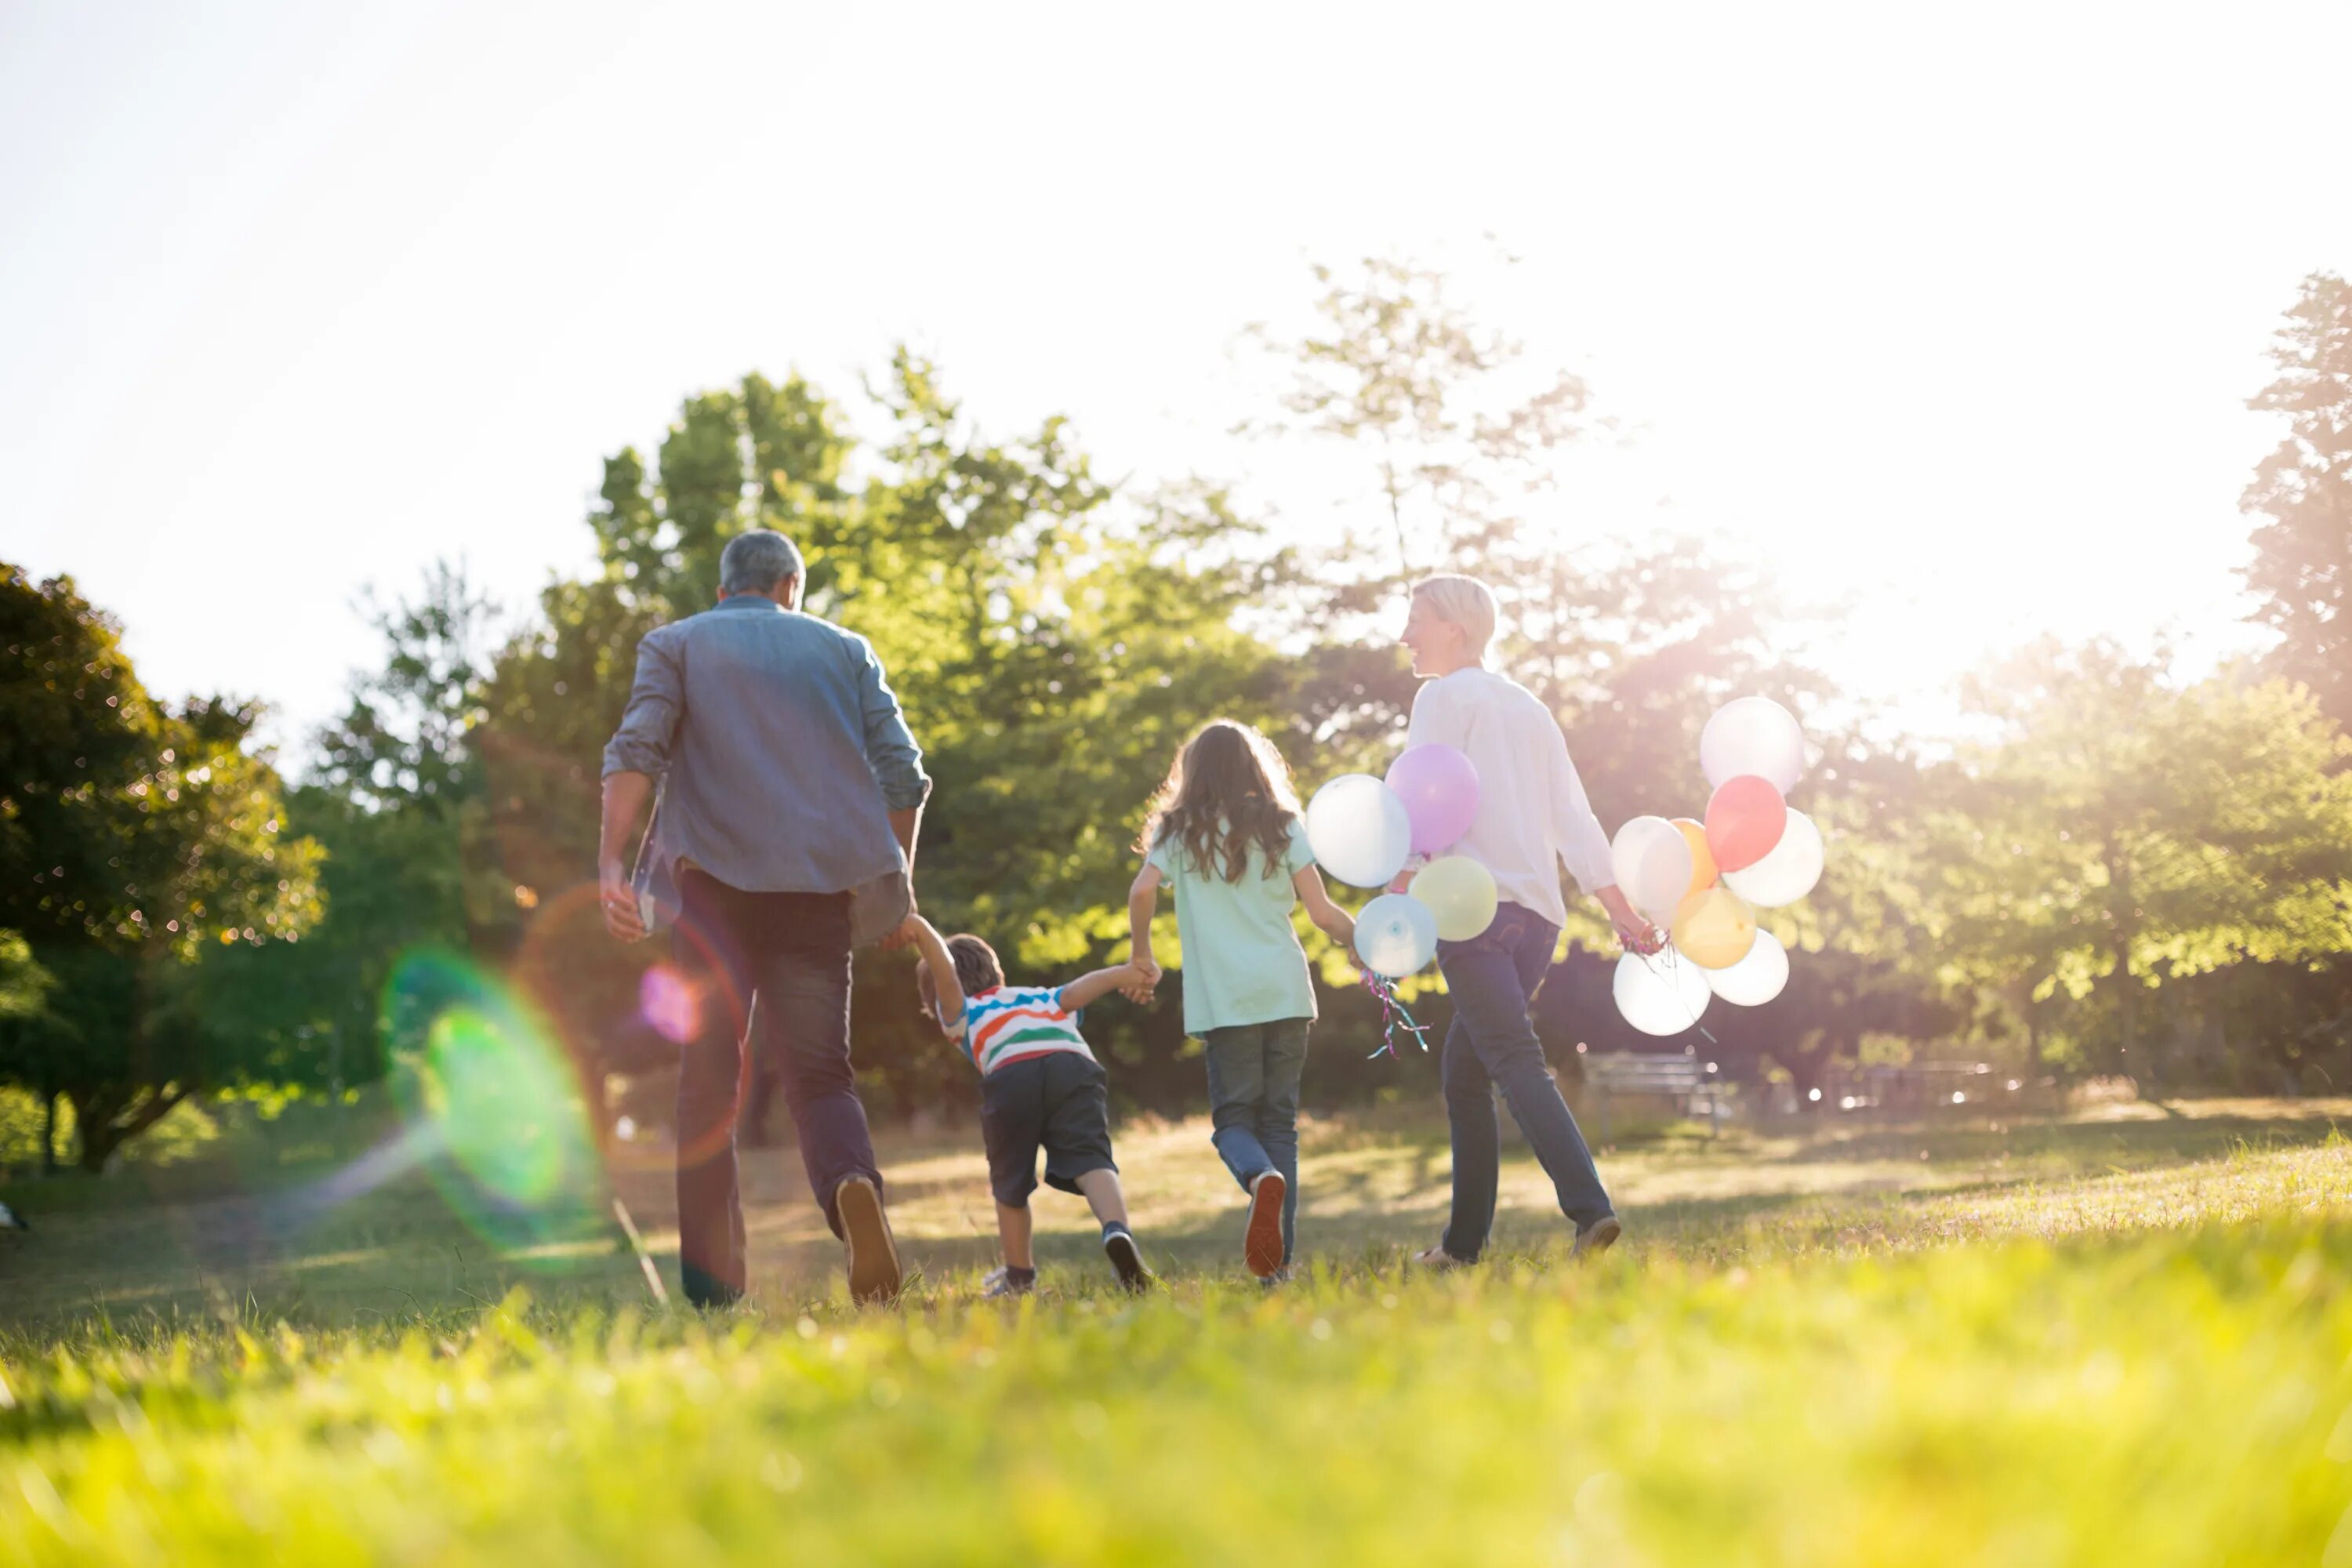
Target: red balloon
(1744, 821)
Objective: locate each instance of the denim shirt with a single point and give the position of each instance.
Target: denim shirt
(780, 752)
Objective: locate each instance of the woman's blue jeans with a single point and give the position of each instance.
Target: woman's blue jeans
(1492, 1044)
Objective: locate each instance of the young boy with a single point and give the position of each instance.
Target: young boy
(1040, 1086)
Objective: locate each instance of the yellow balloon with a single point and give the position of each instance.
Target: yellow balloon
(1703, 870)
(1714, 928)
(1460, 892)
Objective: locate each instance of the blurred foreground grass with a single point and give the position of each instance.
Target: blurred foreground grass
(2093, 1358)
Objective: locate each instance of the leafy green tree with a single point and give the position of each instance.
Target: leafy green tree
(397, 802)
(1401, 371)
(2123, 833)
(136, 842)
(2302, 492)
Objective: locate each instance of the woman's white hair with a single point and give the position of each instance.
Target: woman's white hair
(1464, 600)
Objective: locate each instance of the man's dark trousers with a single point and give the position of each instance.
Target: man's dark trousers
(789, 953)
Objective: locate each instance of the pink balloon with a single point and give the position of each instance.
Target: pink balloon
(1745, 818)
(1439, 787)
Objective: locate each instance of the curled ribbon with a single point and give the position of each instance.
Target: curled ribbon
(1393, 1016)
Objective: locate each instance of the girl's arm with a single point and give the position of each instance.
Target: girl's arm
(1089, 988)
(1142, 899)
(1329, 918)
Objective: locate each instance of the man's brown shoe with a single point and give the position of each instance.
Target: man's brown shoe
(874, 1277)
(1437, 1260)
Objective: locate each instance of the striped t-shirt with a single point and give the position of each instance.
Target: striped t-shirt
(1015, 1021)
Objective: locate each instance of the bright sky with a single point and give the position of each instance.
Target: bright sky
(1954, 309)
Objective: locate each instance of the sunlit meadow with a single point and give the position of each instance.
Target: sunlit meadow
(2121, 1337)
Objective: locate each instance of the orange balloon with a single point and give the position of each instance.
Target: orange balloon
(1715, 929)
(1703, 871)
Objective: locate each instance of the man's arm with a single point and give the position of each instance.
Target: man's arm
(625, 794)
(897, 766)
(636, 755)
(1090, 988)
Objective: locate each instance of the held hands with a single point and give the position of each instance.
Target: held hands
(618, 899)
(1144, 979)
(905, 935)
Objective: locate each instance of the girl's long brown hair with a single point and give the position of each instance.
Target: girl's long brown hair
(1229, 789)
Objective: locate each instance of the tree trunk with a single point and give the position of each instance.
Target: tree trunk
(50, 1133)
(101, 1133)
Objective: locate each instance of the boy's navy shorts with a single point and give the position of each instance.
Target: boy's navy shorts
(1059, 1102)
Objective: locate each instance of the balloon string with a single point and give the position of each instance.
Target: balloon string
(1675, 991)
(1393, 1016)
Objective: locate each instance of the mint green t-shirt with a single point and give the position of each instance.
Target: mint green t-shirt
(1243, 964)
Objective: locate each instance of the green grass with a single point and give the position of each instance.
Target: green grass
(2125, 1339)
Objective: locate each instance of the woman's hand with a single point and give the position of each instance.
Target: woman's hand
(1146, 980)
(1642, 938)
(1633, 929)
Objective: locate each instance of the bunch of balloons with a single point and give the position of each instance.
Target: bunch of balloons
(1364, 829)
(1704, 882)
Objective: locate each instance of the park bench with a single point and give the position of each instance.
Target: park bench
(1682, 1078)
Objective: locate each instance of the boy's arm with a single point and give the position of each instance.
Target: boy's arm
(1090, 988)
(1329, 918)
(1142, 901)
(933, 948)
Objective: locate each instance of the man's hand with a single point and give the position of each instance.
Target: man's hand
(905, 935)
(618, 899)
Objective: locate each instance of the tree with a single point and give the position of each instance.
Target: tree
(2124, 832)
(136, 842)
(1052, 643)
(1401, 370)
(2302, 569)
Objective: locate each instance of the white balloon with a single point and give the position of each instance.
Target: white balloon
(1358, 830)
(1652, 862)
(1753, 735)
(1757, 978)
(1788, 869)
(1661, 995)
(1396, 935)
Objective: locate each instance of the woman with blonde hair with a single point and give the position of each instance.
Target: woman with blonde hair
(1533, 816)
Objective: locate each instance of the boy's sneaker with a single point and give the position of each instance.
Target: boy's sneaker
(874, 1277)
(1596, 1238)
(1262, 1242)
(1119, 1245)
(1004, 1282)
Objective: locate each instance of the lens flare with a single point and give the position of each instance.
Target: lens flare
(494, 1104)
(668, 1004)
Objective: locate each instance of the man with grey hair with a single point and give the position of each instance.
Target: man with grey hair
(784, 836)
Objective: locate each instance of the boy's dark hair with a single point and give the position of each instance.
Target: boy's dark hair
(976, 967)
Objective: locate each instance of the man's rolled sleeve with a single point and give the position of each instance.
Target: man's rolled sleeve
(649, 725)
(890, 748)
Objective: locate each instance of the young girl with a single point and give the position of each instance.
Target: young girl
(1225, 833)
